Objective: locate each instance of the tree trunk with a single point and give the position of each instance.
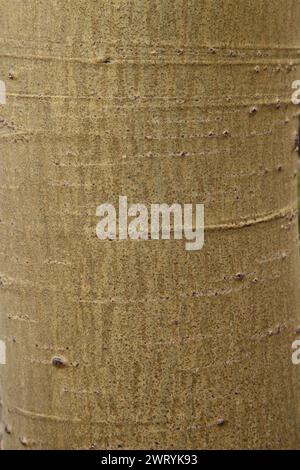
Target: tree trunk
(142, 344)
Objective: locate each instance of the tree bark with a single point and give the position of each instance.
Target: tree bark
(142, 344)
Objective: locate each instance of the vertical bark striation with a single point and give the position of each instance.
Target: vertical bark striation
(155, 346)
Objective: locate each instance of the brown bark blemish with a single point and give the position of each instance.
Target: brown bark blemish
(58, 361)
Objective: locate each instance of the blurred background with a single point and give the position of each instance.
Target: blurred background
(299, 194)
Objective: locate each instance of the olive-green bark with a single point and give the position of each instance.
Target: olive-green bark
(163, 101)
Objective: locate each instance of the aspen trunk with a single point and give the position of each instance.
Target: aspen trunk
(142, 344)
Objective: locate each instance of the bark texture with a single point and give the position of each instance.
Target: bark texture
(162, 101)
